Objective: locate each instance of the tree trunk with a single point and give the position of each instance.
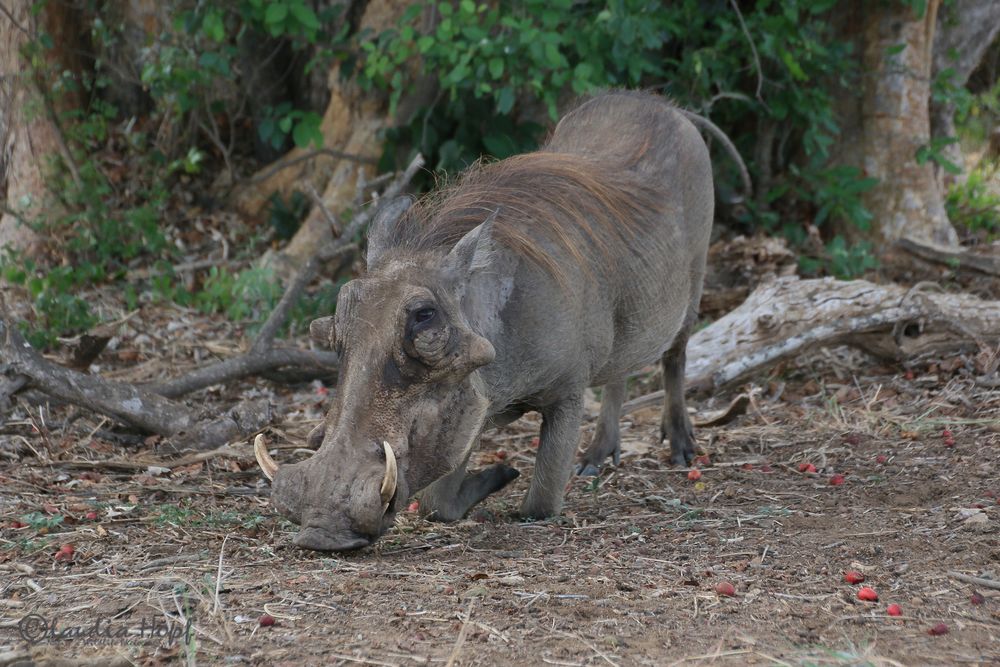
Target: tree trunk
(965, 31)
(29, 126)
(895, 115)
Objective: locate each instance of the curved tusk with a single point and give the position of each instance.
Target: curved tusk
(264, 460)
(389, 481)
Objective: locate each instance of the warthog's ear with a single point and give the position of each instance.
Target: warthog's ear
(383, 227)
(323, 332)
(475, 250)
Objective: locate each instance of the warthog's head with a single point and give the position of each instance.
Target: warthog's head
(408, 404)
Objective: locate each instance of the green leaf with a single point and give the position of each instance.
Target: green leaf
(496, 67)
(895, 49)
(505, 100)
(276, 13)
(305, 15)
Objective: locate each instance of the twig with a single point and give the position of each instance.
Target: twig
(975, 581)
(461, 635)
(328, 215)
(265, 337)
(218, 576)
(753, 48)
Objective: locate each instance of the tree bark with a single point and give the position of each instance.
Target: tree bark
(965, 31)
(25, 139)
(895, 115)
(30, 135)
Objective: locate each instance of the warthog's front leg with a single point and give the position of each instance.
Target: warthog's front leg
(554, 461)
(450, 497)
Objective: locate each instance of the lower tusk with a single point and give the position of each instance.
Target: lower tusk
(264, 460)
(389, 481)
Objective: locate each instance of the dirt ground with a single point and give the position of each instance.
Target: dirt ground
(100, 536)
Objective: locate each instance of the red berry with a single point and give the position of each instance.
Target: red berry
(413, 507)
(946, 433)
(894, 610)
(534, 442)
(837, 480)
(939, 629)
(747, 466)
(807, 467)
(501, 454)
(867, 594)
(91, 515)
(853, 577)
(881, 458)
(703, 460)
(725, 588)
(977, 598)
(65, 552)
(694, 475)
(266, 621)
(949, 442)
(18, 524)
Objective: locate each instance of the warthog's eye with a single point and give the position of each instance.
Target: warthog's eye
(421, 318)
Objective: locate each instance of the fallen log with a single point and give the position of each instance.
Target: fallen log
(789, 316)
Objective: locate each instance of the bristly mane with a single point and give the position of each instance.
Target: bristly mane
(567, 199)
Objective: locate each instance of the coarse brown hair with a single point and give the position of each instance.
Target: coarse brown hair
(568, 199)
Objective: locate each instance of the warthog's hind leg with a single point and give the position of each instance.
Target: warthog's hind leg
(452, 496)
(675, 423)
(607, 436)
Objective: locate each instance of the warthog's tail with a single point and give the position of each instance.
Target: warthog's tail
(713, 129)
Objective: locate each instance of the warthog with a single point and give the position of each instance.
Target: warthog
(514, 289)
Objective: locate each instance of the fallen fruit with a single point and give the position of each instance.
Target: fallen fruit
(747, 466)
(853, 577)
(703, 460)
(881, 458)
(18, 524)
(939, 629)
(867, 594)
(946, 433)
(413, 507)
(949, 442)
(894, 610)
(837, 480)
(91, 516)
(977, 598)
(501, 454)
(65, 552)
(807, 467)
(694, 475)
(725, 588)
(266, 621)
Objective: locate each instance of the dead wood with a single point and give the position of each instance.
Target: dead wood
(955, 258)
(789, 316)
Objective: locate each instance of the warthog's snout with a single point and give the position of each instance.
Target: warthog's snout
(318, 539)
